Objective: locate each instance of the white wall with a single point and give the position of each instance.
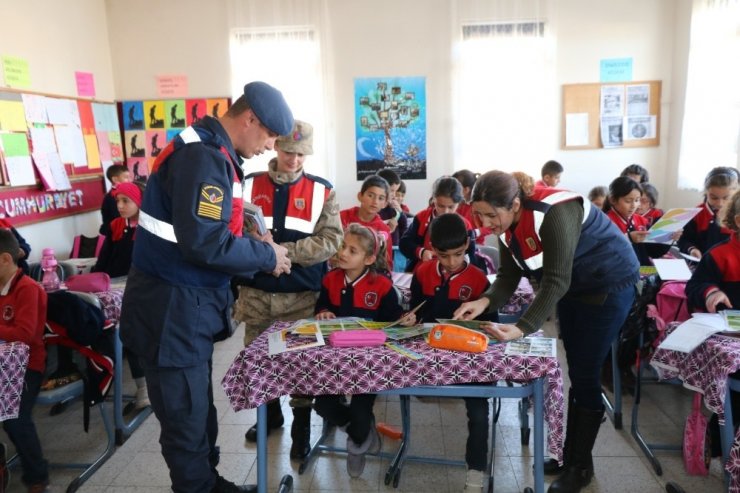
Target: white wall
(414, 37)
(126, 43)
(57, 39)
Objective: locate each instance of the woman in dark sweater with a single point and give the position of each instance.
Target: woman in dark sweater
(585, 267)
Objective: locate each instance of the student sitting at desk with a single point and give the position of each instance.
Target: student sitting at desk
(115, 260)
(714, 286)
(24, 316)
(445, 283)
(357, 288)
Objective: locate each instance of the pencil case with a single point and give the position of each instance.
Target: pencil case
(456, 338)
(357, 338)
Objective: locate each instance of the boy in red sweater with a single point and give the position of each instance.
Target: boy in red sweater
(23, 306)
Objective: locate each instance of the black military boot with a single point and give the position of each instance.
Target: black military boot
(579, 468)
(225, 486)
(300, 432)
(274, 420)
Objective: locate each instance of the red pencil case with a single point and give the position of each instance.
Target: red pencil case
(357, 338)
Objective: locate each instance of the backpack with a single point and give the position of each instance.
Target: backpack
(671, 302)
(86, 247)
(696, 450)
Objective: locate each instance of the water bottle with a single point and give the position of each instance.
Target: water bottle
(50, 279)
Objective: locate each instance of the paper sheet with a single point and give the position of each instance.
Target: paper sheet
(12, 116)
(576, 129)
(35, 107)
(690, 334)
(672, 269)
(672, 221)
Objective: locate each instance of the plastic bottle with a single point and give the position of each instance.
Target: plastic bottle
(50, 280)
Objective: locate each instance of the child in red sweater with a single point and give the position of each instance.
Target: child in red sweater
(373, 197)
(24, 315)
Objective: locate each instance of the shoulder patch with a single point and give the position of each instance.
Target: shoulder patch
(210, 201)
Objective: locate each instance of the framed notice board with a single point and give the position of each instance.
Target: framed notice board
(611, 115)
(53, 150)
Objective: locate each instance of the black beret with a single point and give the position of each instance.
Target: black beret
(269, 106)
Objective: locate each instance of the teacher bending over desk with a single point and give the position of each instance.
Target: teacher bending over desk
(585, 267)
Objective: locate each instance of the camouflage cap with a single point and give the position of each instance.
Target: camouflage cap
(299, 140)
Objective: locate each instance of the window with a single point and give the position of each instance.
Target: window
(711, 122)
(504, 110)
(288, 58)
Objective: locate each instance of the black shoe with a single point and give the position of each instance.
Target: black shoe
(275, 420)
(4, 471)
(552, 467)
(300, 433)
(224, 486)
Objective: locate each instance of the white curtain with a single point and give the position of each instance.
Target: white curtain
(280, 42)
(505, 104)
(711, 122)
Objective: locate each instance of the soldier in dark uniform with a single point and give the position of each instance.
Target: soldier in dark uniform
(188, 246)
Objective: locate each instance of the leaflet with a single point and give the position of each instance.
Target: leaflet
(672, 221)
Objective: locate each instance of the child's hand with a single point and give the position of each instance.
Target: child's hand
(677, 235)
(638, 236)
(716, 298)
(695, 252)
(325, 315)
(427, 255)
(408, 319)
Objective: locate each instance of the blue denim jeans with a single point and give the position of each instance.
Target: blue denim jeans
(588, 331)
(22, 432)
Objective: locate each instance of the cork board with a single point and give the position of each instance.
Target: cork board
(580, 99)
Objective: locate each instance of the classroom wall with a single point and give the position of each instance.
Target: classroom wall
(57, 39)
(127, 43)
(414, 37)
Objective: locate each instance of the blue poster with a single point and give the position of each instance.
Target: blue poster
(133, 115)
(390, 126)
(616, 70)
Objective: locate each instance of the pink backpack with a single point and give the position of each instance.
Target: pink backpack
(671, 302)
(696, 451)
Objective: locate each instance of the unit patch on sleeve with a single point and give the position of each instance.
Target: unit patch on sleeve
(210, 201)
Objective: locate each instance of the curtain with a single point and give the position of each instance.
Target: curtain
(280, 42)
(711, 122)
(505, 106)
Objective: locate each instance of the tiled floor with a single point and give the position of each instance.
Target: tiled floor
(439, 430)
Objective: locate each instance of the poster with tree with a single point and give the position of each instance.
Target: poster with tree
(390, 126)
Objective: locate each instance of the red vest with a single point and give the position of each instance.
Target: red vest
(527, 231)
(305, 201)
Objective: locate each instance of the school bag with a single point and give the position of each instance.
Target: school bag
(671, 302)
(696, 451)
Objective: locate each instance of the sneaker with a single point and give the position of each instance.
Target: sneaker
(474, 481)
(4, 471)
(356, 453)
(225, 486)
(142, 398)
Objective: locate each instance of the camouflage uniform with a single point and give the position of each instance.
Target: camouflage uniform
(259, 309)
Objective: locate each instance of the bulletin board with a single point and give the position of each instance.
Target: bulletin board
(148, 125)
(53, 152)
(583, 102)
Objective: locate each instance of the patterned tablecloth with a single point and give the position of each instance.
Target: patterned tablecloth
(255, 378)
(13, 362)
(705, 370)
(110, 302)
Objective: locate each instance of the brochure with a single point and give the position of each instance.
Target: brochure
(732, 318)
(532, 346)
(401, 333)
(672, 269)
(395, 323)
(254, 217)
(672, 221)
(285, 340)
(307, 326)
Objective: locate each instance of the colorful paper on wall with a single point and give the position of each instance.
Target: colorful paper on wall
(155, 142)
(216, 107)
(174, 113)
(104, 147)
(106, 117)
(35, 107)
(15, 144)
(85, 84)
(62, 111)
(87, 121)
(42, 139)
(12, 116)
(195, 110)
(93, 154)
(116, 148)
(17, 159)
(133, 115)
(71, 145)
(16, 72)
(154, 114)
(172, 86)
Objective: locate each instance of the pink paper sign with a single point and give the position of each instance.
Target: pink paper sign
(85, 84)
(172, 86)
